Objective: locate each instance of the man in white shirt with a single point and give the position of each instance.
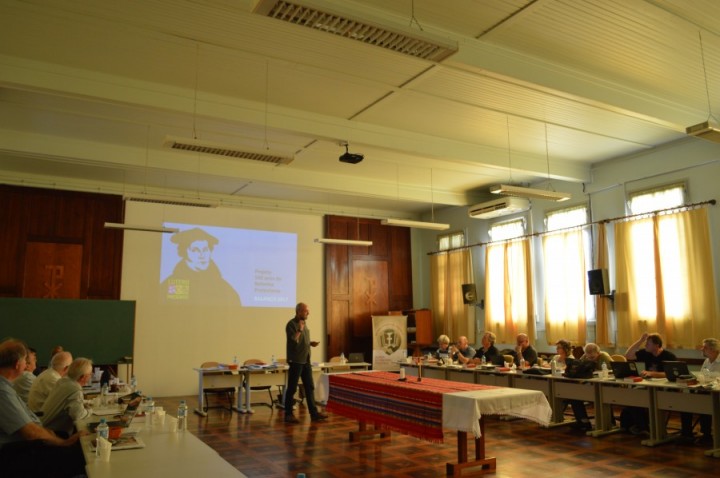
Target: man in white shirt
(710, 371)
(65, 404)
(23, 383)
(45, 382)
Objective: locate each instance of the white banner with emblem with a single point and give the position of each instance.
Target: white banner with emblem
(389, 341)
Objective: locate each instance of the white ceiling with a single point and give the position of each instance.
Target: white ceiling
(89, 91)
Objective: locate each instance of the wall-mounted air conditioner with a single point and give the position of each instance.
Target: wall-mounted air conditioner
(498, 207)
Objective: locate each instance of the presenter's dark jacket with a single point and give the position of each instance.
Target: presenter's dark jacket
(298, 351)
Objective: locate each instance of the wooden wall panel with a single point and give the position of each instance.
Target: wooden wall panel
(366, 280)
(61, 217)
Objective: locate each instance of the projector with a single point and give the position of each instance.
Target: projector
(351, 158)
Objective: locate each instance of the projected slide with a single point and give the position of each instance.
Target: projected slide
(210, 265)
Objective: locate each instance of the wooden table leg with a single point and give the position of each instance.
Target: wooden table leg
(477, 467)
(363, 431)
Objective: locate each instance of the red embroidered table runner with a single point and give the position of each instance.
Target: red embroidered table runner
(410, 407)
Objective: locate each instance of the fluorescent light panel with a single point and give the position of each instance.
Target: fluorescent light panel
(135, 227)
(342, 242)
(437, 226)
(520, 191)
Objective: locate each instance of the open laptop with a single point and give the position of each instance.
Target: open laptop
(356, 357)
(122, 421)
(674, 369)
(624, 369)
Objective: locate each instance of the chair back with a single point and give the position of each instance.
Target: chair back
(618, 358)
(253, 362)
(509, 359)
(209, 364)
(335, 359)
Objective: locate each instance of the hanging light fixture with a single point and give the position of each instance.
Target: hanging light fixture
(534, 193)
(436, 226)
(345, 242)
(706, 130)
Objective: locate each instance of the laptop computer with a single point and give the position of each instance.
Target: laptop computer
(624, 369)
(356, 357)
(122, 421)
(674, 369)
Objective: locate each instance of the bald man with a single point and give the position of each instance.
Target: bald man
(46, 381)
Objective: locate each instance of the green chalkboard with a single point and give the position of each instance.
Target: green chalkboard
(102, 330)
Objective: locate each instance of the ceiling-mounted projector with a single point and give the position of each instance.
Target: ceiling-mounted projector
(348, 157)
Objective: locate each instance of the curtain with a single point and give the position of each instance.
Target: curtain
(602, 304)
(448, 272)
(509, 306)
(664, 279)
(565, 290)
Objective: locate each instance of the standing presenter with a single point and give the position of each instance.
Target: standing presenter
(298, 359)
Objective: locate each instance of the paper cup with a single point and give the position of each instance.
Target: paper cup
(159, 417)
(172, 423)
(104, 448)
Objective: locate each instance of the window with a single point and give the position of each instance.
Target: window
(566, 255)
(507, 230)
(452, 240)
(664, 268)
(508, 288)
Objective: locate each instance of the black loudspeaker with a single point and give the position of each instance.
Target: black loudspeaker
(469, 294)
(598, 282)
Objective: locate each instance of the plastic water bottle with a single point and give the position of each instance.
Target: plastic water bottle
(273, 361)
(133, 384)
(102, 430)
(522, 362)
(104, 396)
(483, 361)
(553, 366)
(182, 416)
(342, 357)
(235, 360)
(604, 371)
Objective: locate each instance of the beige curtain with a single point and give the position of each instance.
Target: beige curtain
(448, 272)
(565, 278)
(602, 304)
(509, 306)
(664, 279)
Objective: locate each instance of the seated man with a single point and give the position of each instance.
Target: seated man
(525, 350)
(463, 351)
(46, 381)
(488, 350)
(635, 419)
(26, 448)
(592, 354)
(710, 370)
(65, 404)
(23, 383)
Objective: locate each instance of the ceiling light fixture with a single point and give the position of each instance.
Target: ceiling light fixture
(523, 192)
(705, 130)
(135, 227)
(342, 242)
(437, 226)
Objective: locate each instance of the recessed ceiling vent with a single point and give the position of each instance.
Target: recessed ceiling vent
(413, 43)
(198, 146)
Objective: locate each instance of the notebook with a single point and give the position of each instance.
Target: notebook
(675, 369)
(125, 442)
(624, 369)
(122, 421)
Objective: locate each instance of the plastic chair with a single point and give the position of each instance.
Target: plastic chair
(227, 392)
(618, 358)
(268, 388)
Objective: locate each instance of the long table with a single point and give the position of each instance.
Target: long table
(658, 396)
(423, 408)
(166, 453)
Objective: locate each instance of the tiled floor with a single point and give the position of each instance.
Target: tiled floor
(262, 445)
